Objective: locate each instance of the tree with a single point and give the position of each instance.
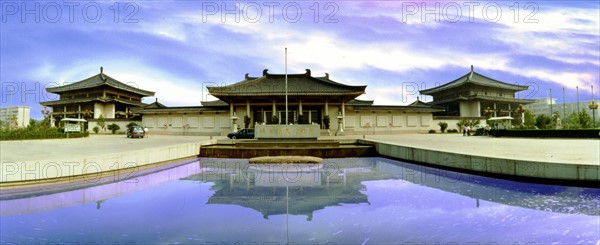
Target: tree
(584, 119)
(101, 122)
(529, 119)
(96, 129)
(131, 124)
(572, 121)
(555, 119)
(543, 122)
(443, 126)
(113, 127)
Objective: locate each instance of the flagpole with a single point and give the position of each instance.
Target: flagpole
(286, 89)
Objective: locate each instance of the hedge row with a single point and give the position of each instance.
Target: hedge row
(547, 133)
(46, 133)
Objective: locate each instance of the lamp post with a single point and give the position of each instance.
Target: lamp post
(577, 87)
(593, 106)
(550, 102)
(564, 105)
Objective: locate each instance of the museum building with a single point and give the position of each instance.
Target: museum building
(262, 100)
(476, 96)
(310, 100)
(94, 96)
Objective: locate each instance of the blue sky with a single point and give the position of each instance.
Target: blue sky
(177, 48)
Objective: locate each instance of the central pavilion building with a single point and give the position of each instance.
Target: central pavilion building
(311, 99)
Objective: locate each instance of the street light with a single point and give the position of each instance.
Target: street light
(593, 106)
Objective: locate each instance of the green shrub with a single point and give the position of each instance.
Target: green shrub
(443, 126)
(113, 127)
(432, 131)
(131, 124)
(96, 129)
(452, 130)
(38, 133)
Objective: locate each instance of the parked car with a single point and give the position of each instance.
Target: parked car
(136, 132)
(247, 133)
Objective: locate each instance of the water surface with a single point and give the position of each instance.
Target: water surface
(348, 201)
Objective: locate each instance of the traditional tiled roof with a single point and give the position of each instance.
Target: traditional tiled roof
(482, 98)
(85, 100)
(298, 84)
(179, 109)
(474, 78)
(214, 103)
(98, 80)
(359, 102)
(415, 106)
(154, 105)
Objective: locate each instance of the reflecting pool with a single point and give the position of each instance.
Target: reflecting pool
(346, 201)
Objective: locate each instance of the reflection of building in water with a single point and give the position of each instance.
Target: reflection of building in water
(341, 182)
(99, 193)
(266, 189)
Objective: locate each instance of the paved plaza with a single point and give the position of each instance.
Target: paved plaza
(580, 151)
(563, 151)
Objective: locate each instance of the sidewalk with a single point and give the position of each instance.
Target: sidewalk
(575, 151)
(33, 160)
(37, 159)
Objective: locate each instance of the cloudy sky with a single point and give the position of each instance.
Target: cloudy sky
(177, 48)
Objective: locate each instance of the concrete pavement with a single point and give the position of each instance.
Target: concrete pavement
(39, 159)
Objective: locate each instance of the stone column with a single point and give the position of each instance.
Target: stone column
(78, 111)
(343, 115)
(274, 111)
(495, 110)
(248, 108)
(234, 122)
(52, 119)
(300, 106)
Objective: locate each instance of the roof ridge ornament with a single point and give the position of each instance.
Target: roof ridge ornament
(265, 72)
(247, 76)
(326, 75)
(102, 73)
(307, 72)
(471, 75)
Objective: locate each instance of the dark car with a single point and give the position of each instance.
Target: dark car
(247, 133)
(136, 132)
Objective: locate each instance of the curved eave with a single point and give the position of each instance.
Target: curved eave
(66, 88)
(180, 110)
(216, 94)
(480, 98)
(88, 100)
(398, 108)
(431, 91)
(465, 79)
